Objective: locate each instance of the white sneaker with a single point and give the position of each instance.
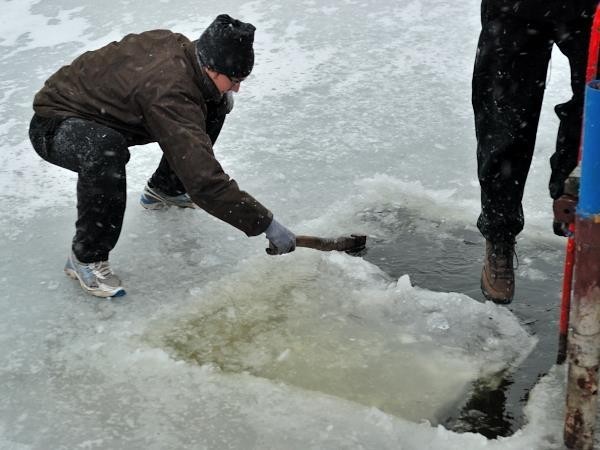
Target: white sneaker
(154, 198)
(95, 278)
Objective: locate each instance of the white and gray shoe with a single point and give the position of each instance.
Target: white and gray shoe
(95, 278)
(154, 198)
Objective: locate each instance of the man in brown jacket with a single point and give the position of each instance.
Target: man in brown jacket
(156, 86)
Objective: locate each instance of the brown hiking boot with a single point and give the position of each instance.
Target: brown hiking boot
(498, 275)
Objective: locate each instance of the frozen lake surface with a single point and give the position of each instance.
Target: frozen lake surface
(356, 119)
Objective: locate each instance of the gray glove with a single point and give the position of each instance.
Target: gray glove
(281, 240)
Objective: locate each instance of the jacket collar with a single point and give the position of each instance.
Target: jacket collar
(206, 85)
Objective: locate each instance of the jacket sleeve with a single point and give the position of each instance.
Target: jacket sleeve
(178, 125)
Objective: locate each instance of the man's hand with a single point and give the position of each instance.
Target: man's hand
(561, 229)
(564, 214)
(281, 240)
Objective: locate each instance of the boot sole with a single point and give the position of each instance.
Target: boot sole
(497, 301)
(488, 296)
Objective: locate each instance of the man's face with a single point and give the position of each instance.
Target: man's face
(224, 83)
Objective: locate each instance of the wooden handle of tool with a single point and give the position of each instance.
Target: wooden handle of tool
(352, 243)
(315, 242)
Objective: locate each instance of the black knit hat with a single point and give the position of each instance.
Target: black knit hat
(226, 46)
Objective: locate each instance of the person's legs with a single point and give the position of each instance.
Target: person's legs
(508, 87)
(164, 183)
(98, 154)
(165, 179)
(573, 40)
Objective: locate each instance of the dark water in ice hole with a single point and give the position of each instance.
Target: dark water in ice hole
(440, 258)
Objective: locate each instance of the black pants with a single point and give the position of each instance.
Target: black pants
(99, 155)
(508, 87)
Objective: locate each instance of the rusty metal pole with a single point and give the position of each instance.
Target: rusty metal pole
(584, 340)
(564, 207)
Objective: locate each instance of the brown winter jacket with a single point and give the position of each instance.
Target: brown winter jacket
(151, 88)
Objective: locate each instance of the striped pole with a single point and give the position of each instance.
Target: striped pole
(584, 340)
(565, 307)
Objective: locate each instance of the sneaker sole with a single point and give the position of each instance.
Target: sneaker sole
(154, 205)
(163, 205)
(120, 292)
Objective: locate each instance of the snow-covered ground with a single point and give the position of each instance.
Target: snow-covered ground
(357, 112)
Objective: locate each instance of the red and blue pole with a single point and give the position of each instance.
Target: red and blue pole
(590, 75)
(584, 340)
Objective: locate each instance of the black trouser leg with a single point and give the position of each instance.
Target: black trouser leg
(164, 178)
(572, 39)
(508, 87)
(98, 154)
